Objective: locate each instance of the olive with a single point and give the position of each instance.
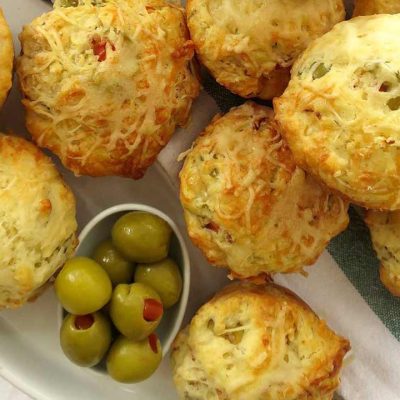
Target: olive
(394, 103)
(142, 237)
(135, 310)
(83, 286)
(129, 361)
(69, 3)
(118, 269)
(164, 277)
(85, 339)
(320, 71)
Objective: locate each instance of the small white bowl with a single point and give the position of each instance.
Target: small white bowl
(99, 229)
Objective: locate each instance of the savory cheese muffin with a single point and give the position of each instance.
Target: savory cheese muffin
(385, 235)
(260, 343)
(37, 221)
(341, 111)
(250, 45)
(6, 58)
(106, 83)
(368, 7)
(247, 205)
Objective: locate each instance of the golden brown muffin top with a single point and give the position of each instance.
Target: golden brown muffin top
(369, 7)
(247, 206)
(341, 111)
(106, 85)
(250, 45)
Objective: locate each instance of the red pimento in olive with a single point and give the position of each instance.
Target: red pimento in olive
(130, 361)
(135, 310)
(85, 339)
(153, 342)
(152, 310)
(83, 322)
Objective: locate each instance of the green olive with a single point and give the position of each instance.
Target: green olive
(129, 361)
(320, 71)
(394, 103)
(85, 339)
(164, 277)
(135, 310)
(69, 3)
(118, 269)
(142, 237)
(83, 286)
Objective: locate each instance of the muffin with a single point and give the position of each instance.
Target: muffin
(106, 83)
(247, 205)
(341, 111)
(37, 226)
(385, 234)
(6, 59)
(259, 343)
(249, 46)
(368, 7)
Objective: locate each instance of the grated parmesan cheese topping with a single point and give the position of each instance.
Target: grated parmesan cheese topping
(116, 109)
(247, 205)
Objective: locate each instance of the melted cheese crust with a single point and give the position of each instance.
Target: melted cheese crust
(247, 206)
(250, 45)
(108, 114)
(6, 59)
(340, 113)
(259, 343)
(385, 235)
(369, 7)
(37, 221)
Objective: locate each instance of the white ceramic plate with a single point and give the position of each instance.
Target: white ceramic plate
(30, 356)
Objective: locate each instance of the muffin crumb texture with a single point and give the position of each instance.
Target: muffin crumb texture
(37, 221)
(259, 343)
(384, 228)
